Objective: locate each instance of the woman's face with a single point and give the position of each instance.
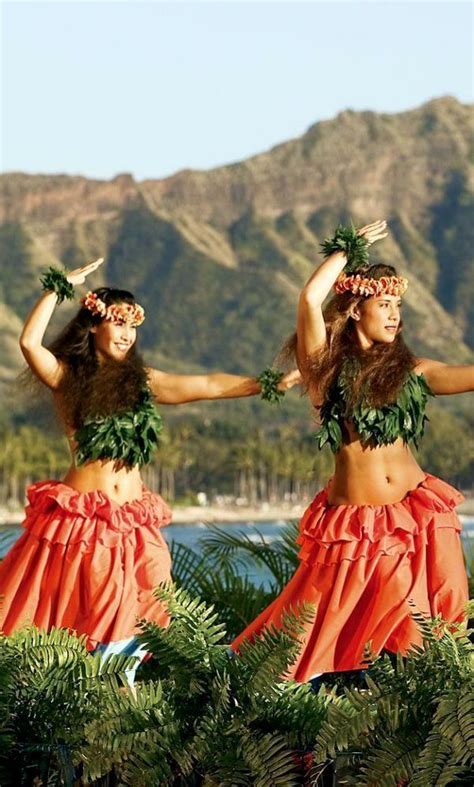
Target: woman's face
(112, 340)
(377, 319)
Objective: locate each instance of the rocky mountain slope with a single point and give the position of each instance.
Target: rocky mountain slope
(217, 257)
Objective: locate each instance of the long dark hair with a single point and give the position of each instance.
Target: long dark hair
(89, 388)
(382, 369)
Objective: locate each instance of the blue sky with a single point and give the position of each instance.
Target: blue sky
(150, 88)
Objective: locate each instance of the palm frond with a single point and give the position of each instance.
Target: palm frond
(224, 548)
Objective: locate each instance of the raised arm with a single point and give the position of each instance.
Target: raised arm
(311, 329)
(41, 361)
(444, 379)
(181, 388)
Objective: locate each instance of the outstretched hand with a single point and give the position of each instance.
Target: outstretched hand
(374, 232)
(289, 380)
(79, 275)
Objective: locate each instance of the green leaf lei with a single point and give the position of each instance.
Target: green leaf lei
(356, 247)
(55, 280)
(269, 380)
(376, 426)
(130, 437)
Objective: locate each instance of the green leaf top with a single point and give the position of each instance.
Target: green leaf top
(130, 437)
(403, 418)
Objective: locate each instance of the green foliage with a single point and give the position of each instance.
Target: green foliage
(414, 721)
(53, 690)
(452, 233)
(130, 436)
(18, 276)
(355, 246)
(446, 447)
(234, 597)
(227, 549)
(207, 716)
(376, 425)
(222, 716)
(219, 575)
(269, 380)
(55, 280)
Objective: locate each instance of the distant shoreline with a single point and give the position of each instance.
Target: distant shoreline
(228, 514)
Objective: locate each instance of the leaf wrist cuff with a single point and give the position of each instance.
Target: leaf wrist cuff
(54, 280)
(355, 246)
(269, 380)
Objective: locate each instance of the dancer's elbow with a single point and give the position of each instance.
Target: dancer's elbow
(310, 297)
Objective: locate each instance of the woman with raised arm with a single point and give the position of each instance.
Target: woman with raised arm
(92, 551)
(382, 539)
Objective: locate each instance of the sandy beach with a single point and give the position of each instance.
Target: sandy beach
(264, 512)
(228, 513)
(191, 514)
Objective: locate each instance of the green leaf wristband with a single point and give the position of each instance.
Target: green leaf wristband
(269, 380)
(355, 246)
(54, 280)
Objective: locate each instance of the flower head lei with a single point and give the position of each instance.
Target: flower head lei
(119, 313)
(360, 285)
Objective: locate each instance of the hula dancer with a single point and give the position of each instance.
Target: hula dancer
(92, 550)
(382, 533)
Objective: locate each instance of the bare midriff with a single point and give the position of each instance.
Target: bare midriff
(118, 481)
(122, 484)
(373, 476)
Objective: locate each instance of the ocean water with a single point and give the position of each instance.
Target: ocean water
(192, 534)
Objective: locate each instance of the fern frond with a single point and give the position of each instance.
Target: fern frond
(265, 659)
(197, 619)
(235, 598)
(454, 719)
(389, 761)
(296, 711)
(346, 721)
(432, 760)
(42, 650)
(134, 730)
(269, 760)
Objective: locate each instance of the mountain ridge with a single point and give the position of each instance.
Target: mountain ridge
(223, 252)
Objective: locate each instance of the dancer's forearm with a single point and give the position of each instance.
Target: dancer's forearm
(319, 285)
(311, 328)
(229, 386)
(41, 361)
(38, 320)
(181, 388)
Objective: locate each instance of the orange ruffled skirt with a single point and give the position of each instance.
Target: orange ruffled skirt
(360, 566)
(86, 563)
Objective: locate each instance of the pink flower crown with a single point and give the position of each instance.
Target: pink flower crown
(359, 285)
(119, 313)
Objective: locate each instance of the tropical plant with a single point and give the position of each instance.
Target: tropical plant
(51, 688)
(219, 575)
(208, 716)
(413, 724)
